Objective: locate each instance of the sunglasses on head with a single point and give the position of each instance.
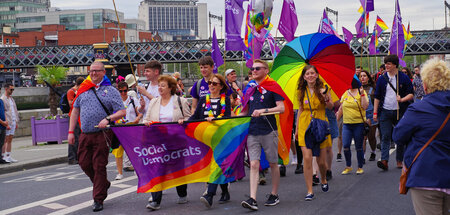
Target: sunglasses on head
(213, 83)
(256, 68)
(123, 91)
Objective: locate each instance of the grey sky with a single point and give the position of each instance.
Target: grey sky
(423, 15)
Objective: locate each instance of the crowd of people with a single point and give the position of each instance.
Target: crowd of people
(373, 103)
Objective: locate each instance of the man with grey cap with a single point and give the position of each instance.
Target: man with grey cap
(233, 86)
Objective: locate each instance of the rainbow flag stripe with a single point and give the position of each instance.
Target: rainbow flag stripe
(169, 155)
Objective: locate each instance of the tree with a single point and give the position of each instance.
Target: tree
(52, 75)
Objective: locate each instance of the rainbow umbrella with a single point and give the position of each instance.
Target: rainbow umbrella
(329, 54)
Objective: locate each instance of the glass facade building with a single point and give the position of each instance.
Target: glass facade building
(9, 9)
(176, 17)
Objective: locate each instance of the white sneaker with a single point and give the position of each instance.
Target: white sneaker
(11, 160)
(119, 177)
(294, 160)
(6, 160)
(150, 199)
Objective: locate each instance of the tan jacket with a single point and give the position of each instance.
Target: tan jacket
(155, 104)
(8, 110)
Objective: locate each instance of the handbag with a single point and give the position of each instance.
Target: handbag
(115, 143)
(317, 131)
(366, 126)
(405, 171)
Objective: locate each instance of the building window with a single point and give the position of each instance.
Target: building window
(97, 21)
(31, 19)
(14, 41)
(7, 41)
(72, 21)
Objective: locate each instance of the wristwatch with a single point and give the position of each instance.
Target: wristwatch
(108, 118)
(267, 110)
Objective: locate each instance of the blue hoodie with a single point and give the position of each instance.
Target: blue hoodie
(421, 120)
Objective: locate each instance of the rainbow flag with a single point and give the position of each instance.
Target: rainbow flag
(381, 24)
(87, 85)
(284, 120)
(167, 155)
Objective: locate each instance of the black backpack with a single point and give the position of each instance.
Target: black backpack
(64, 103)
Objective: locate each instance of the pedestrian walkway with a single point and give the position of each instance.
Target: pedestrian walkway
(30, 156)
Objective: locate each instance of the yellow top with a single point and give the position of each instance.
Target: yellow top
(350, 109)
(318, 110)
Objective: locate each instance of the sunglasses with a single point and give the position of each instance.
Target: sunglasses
(213, 83)
(256, 68)
(97, 71)
(123, 91)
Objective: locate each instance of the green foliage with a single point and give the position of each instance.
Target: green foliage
(51, 74)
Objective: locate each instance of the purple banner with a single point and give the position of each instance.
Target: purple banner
(288, 20)
(234, 14)
(397, 36)
(216, 55)
(348, 36)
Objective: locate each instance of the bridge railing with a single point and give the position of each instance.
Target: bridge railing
(423, 43)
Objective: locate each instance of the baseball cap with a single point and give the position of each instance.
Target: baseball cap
(229, 71)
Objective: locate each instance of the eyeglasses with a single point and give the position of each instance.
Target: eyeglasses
(256, 68)
(213, 83)
(92, 71)
(123, 91)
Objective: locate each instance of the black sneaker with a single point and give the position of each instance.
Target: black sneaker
(372, 157)
(272, 200)
(339, 157)
(250, 204)
(392, 145)
(3, 161)
(325, 187)
(329, 175)
(282, 171)
(316, 180)
(225, 197)
(207, 200)
(299, 169)
(379, 146)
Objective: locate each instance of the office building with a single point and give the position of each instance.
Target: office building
(10, 9)
(183, 19)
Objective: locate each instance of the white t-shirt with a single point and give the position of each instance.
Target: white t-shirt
(166, 112)
(13, 112)
(130, 108)
(390, 100)
(153, 90)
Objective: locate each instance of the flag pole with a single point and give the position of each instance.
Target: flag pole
(398, 75)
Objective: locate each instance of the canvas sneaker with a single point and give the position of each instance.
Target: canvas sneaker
(207, 200)
(250, 204)
(119, 177)
(325, 187)
(153, 206)
(309, 197)
(272, 200)
(347, 171)
(339, 157)
(359, 171)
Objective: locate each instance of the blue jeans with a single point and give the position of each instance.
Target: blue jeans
(388, 119)
(356, 132)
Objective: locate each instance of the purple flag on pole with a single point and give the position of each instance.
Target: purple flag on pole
(288, 20)
(348, 36)
(397, 35)
(372, 47)
(367, 5)
(234, 14)
(215, 52)
(360, 27)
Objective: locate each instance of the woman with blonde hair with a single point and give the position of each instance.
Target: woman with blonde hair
(313, 100)
(429, 176)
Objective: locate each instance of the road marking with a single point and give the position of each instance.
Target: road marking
(46, 149)
(122, 186)
(58, 198)
(55, 206)
(89, 203)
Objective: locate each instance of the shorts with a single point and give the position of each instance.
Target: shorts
(268, 142)
(12, 130)
(118, 153)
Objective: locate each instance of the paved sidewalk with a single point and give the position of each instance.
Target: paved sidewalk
(30, 156)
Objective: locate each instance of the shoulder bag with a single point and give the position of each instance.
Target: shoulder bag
(317, 130)
(366, 126)
(405, 171)
(114, 140)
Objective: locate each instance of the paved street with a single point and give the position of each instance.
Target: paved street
(64, 189)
